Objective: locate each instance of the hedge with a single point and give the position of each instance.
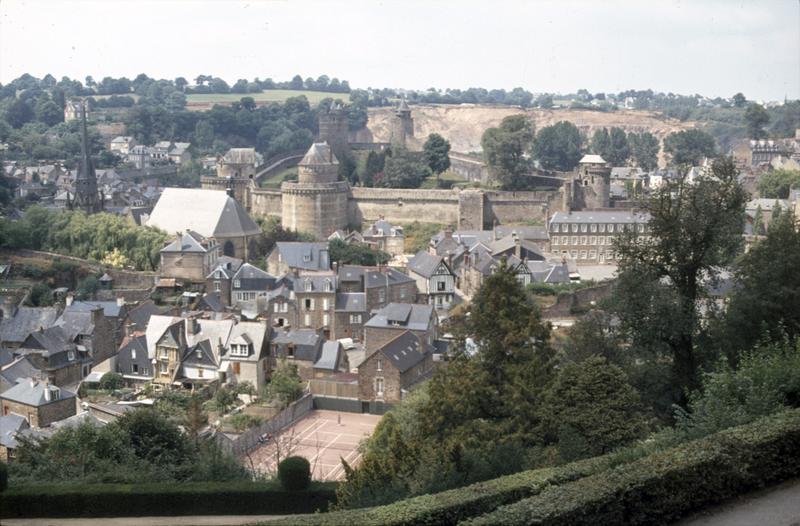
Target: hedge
(667, 485)
(191, 498)
(449, 507)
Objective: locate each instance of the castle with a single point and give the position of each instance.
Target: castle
(320, 203)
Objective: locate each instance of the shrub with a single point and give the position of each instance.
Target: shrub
(294, 473)
(660, 488)
(132, 500)
(3, 476)
(241, 422)
(111, 381)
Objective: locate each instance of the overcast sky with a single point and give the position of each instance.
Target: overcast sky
(712, 48)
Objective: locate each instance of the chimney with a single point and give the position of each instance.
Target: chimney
(517, 245)
(70, 298)
(335, 266)
(48, 395)
(448, 232)
(120, 302)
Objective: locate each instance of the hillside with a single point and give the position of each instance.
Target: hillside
(464, 125)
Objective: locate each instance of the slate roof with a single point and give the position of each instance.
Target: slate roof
(140, 315)
(329, 357)
(592, 159)
(251, 277)
(408, 315)
(211, 213)
(212, 301)
(188, 241)
(351, 302)
(22, 367)
(227, 266)
(374, 278)
(293, 253)
(32, 392)
(383, 228)
(255, 333)
(319, 153)
(200, 354)
(25, 321)
(314, 282)
(9, 425)
(532, 233)
(307, 343)
(600, 216)
(548, 272)
(134, 345)
(424, 264)
(405, 351)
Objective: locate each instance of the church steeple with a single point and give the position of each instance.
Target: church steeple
(87, 198)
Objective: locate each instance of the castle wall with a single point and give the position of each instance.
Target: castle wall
(520, 207)
(403, 206)
(319, 209)
(470, 169)
(266, 202)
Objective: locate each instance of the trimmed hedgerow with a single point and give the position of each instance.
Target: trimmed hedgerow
(664, 486)
(449, 507)
(191, 498)
(294, 473)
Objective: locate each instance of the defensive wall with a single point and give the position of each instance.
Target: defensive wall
(470, 168)
(465, 209)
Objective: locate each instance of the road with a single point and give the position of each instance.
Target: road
(775, 506)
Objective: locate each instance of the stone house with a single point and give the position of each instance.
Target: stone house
(301, 347)
(385, 237)
(281, 306)
(332, 359)
(19, 368)
(315, 293)
(587, 237)
(394, 368)
(220, 279)
(396, 318)
(86, 324)
(351, 314)
(382, 285)
(191, 256)
(435, 279)
(248, 283)
(10, 425)
(18, 322)
(57, 356)
(122, 145)
(290, 256)
(39, 402)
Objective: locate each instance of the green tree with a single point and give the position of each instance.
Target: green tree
(436, 153)
(112, 381)
(591, 409)
(40, 295)
(777, 183)
(689, 146)
(87, 288)
(601, 143)
(620, 150)
(558, 147)
(739, 100)
(48, 112)
(756, 117)
(403, 169)
(506, 150)
(644, 150)
(204, 133)
(285, 385)
(356, 254)
(693, 231)
(766, 301)
(758, 222)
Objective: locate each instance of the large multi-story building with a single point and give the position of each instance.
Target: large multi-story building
(587, 237)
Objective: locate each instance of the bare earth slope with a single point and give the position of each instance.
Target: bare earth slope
(464, 125)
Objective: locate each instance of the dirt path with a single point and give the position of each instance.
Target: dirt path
(776, 506)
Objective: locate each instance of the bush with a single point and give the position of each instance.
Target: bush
(241, 422)
(294, 473)
(133, 500)
(3, 476)
(111, 381)
(662, 487)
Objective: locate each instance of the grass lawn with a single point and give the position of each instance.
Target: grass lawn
(288, 174)
(273, 95)
(447, 178)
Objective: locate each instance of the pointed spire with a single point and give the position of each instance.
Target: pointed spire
(85, 170)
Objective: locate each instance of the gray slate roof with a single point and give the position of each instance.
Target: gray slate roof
(304, 255)
(9, 425)
(32, 392)
(319, 153)
(405, 351)
(424, 264)
(329, 357)
(307, 343)
(600, 216)
(351, 302)
(253, 278)
(187, 242)
(26, 320)
(411, 316)
(21, 368)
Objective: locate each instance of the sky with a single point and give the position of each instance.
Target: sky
(714, 48)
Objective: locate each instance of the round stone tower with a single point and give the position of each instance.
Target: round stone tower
(317, 202)
(402, 125)
(594, 182)
(333, 129)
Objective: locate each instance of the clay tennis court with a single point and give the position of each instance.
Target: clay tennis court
(322, 437)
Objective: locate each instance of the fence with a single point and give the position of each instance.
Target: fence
(251, 438)
(322, 387)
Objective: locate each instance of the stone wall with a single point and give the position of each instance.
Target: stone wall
(265, 202)
(519, 207)
(469, 168)
(44, 414)
(317, 208)
(403, 206)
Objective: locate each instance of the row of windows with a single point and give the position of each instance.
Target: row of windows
(595, 227)
(307, 320)
(590, 254)
(583, 240)
(309, 303)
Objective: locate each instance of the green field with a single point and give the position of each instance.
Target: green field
(288, 174)
(273, 95)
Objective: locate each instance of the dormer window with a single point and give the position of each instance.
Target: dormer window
(307, 257)
(328, 286)
(199, 354)
(70, 355)
(238, 349)
(309, 285)
(237, 284)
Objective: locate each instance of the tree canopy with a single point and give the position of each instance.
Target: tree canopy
(436, 152)
(558, 147)
(689, 146)
(506, 150)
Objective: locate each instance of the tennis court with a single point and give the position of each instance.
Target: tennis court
(323, 438)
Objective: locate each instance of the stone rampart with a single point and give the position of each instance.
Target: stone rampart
(404, 206)
(471, 169)
(265, 202)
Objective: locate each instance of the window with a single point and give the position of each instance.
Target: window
(307, 320)
(284, 307)
(164, 353)
(240, 349)
(237, 283)
(602, 240)
(610, 228)
(355, 318)
(602, 227)
(163, 368)
(328, 286)
(573, 254)
(583, 227)
(592, 240)
(381, 295)
(70, 355)
(593, 227)
(592, 254)
(379, 365)
(574, 228)
(217, 286)
(565, 228)
(641, 227)
(290, 351)
(275, 307)
(574, 240)
(583, 240)
(403, 293)
(309, 303)
(440, 286)
(133, 354)
(325, 303)
(554, 227)
(199, 354)
(325, 319)
(199, 372)
(306, 257)
(309, 286)
(134, 368)
(379, 387)
(583, 254)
